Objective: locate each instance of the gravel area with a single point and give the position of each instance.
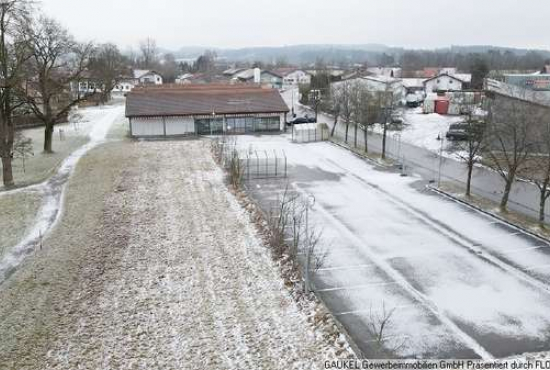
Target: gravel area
(164, 270)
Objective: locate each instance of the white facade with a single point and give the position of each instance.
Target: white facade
(296, 78)
(377, 84)
(443, 83)
(162, 126)
(147, 77)
(124, 86)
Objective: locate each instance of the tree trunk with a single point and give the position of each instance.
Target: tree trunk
(506, 196)
(469, 179)
(355, 136)
(384, 141)
(347, 130)
(48, 138)
(334, 126)
(542, 205)
(366, 134)
(7, 173)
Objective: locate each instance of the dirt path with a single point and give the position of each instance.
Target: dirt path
(175, 279)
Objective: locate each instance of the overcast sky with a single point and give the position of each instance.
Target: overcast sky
(239, 23)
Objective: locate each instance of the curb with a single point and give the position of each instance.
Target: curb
(490, 214)
(366, 158)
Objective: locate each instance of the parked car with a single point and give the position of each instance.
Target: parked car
(300, 120)
(458, 131)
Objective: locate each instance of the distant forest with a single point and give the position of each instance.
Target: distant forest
(462, 57)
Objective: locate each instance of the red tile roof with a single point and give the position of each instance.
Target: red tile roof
(190, 100)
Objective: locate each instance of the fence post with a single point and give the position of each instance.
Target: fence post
(286, 175)
(266, 164)
(276, 162)
(257, 165)
(248, 166)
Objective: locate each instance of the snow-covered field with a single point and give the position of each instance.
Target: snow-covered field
(423, 130)
(463, 284)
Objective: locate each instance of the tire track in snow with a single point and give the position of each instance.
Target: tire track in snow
(53, 191)
(455, 236)
(420, 297)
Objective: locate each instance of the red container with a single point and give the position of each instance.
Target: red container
(442, 107)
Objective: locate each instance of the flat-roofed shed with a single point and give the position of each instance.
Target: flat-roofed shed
(204, 110)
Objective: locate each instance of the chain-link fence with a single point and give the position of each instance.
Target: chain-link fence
(252, 164)
(309, 132)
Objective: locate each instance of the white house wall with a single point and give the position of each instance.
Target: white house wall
(443, 83)
(180, 125)
(147, 127)
(297, 78)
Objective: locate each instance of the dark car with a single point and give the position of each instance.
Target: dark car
(300, 120)
(458, 131)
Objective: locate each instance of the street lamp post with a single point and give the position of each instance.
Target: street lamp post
(212, 122)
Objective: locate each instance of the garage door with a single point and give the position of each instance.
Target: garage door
(180, 125)
(147, 127)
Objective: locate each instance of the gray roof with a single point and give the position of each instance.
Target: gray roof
(519, 93)
(203, 100)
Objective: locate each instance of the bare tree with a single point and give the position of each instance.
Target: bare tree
(355, 96)
(387, 105)
(334, 105)
(471, 148)
(345, 103)
(380, 322)
(57, 62)
(22, 148)
(149, 52)
(107, 67)
(509, 139)
(14, 53)
(364, 114)
(537, 169)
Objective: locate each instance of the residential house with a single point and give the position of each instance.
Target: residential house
(293, 77)
(379, 84)
(260, 77)
(447, 82)
(184, 78)
(123, 86)
(204, 110)
(147, 77)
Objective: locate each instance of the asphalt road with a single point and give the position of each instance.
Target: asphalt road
(458, 283)
(486, 183)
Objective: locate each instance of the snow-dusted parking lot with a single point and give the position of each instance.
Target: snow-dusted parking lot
(462, 284)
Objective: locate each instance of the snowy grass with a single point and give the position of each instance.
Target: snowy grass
(39, 166)
(17, 211)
